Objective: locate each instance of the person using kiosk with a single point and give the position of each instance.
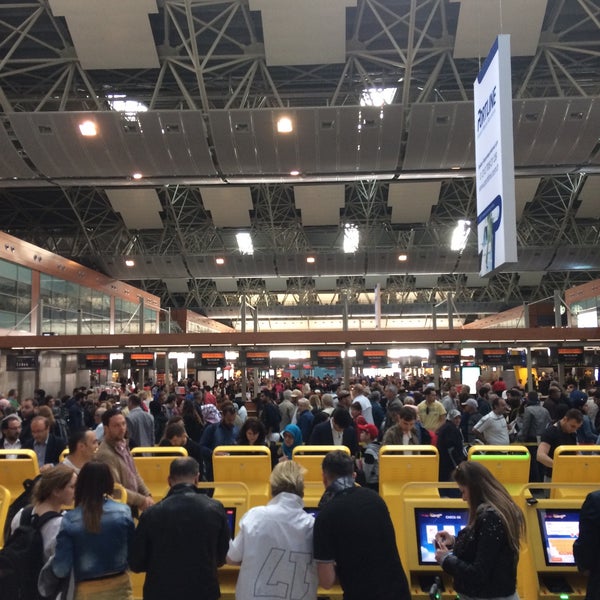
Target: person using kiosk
(483, 557)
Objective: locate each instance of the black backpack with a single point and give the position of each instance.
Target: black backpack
(22, 557)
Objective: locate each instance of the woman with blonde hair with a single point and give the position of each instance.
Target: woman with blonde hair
(94, 539)
(483, 557)
(51, 493)
(278, 534)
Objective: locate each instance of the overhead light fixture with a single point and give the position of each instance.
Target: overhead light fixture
(244, 242)
(88, 128)
(403, 257)
(294, 173)
(219, 260)
(136, 176)
(351, 238)
(285, 125)
(129, 262)
(460, 235)
(310, 260)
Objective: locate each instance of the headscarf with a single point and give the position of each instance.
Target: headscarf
(294, 430)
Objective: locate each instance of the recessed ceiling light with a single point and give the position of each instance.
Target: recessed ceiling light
(285, 125)
(129, 262)
(310, 259)
(220, 261)
(294, 173)
(137, 176)
(244, 241)
(88, 128)
(403, 257)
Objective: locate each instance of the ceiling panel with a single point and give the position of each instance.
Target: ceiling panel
(525, 190)
(576, 258)
(156, 144)
(411, 201)
(590, 199)
(531, 278)
(177, 286)
(325, 140)
(11, 164)
(555, 131)
(146, 267)
(480, 21)
(92, 23)
(440, 137)
(319, 204)
(139, 208)
(293, 36)
(229, 206)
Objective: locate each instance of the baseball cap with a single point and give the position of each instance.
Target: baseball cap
(470, 402)
(370, 429)
(452, 414)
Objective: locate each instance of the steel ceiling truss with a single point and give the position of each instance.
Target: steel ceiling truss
(212, 56)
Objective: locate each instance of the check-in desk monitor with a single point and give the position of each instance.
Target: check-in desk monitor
(429, 521)
(423, 518)
(552, 528)
(231, 511)
(559, 529)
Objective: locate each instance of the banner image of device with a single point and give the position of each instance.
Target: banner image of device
(494, 159)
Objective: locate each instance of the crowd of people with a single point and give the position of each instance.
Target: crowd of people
(283, 551)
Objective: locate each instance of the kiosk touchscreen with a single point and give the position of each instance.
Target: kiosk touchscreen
(429, 521)
(559, 529)
(231, 512)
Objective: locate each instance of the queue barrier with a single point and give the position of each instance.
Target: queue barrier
(311, 459)
(509, 464)
(575, 464)
(153, 464)
(4, 506)
(250, 465)
(15, 467)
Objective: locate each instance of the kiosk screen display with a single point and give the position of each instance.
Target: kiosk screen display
(231, 520)
(431, 520)
(559, 529)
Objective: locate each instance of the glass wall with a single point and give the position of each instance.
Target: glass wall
(67, 304)
(15, 297)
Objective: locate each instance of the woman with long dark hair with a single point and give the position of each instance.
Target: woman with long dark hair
(483, 557)
(94, 539)
(252, 433)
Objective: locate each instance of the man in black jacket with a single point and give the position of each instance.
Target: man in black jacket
(587, 546)
(181, 541)
(46, 445)
(337, 431)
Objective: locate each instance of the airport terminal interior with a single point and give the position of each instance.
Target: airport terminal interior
(283, 188)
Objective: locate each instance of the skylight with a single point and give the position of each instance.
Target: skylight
(377, 96)
(244, 242)
(460, 235)
(351, 238)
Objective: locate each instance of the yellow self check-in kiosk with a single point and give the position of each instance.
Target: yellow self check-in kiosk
(423, 517)
(548, 569)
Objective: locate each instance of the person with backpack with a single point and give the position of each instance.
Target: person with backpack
(33, 534)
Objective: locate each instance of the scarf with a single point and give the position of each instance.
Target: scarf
(339, 485)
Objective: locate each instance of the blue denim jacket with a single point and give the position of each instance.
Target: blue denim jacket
(93, 555)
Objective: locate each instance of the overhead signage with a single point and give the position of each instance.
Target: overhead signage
(517, 358)
(211, 359)
(21, 362)
(328, 358)
(142, 360)
(375, 358)
(97, 361)
(447, 356)
(570, 357)
(257, 359)
(494, 160)
(491, 356)
(540, 357)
